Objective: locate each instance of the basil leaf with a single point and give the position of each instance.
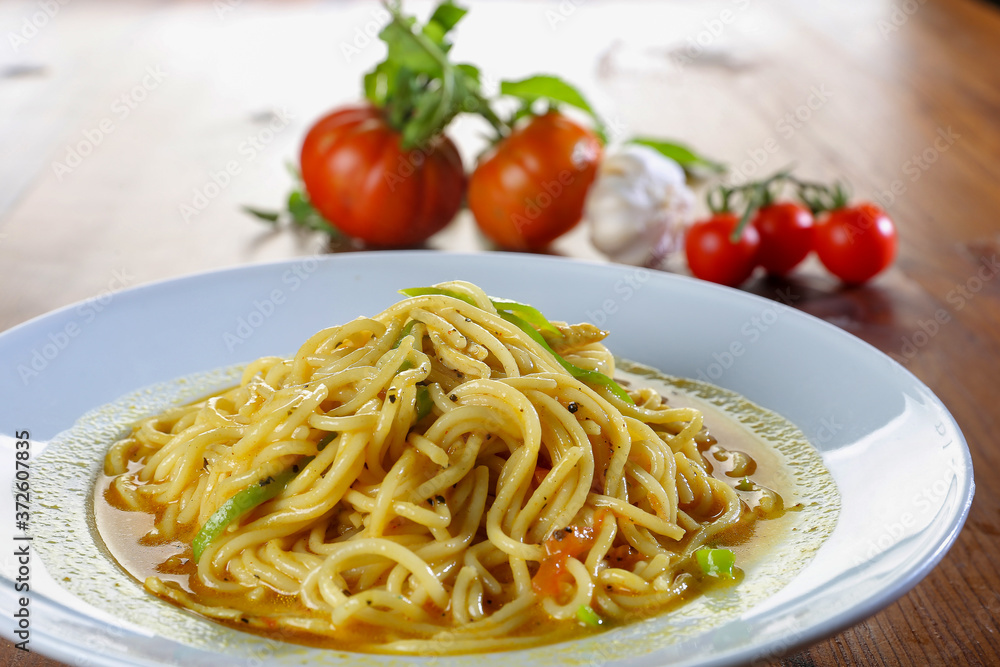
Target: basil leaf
(680, 154)
(546, 87)
(552, 89)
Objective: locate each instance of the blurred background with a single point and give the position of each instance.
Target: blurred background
(133, 134)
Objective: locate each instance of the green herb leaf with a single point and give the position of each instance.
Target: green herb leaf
(546, 87)
(419, 89)
(716, 562)
(681, 154)
(445, 17)
(298, 212)
(267, 216)
(554, 90)
(304, 215)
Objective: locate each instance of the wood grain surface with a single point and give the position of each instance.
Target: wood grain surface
(901, 98)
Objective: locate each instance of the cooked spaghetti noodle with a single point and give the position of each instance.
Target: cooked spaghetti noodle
(442, 477)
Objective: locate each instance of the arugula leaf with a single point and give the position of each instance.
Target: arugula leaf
(299, 212)
(303, 214)
(680, 154)
(421, 90)
(447, 15)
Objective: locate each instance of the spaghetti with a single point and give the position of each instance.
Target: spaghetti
(455, 474)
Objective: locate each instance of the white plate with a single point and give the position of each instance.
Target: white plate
(898, 458)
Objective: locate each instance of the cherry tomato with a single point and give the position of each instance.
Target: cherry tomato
(360, 179)
(856, 242)
(786, 236)
(712, 256)
(532, 188)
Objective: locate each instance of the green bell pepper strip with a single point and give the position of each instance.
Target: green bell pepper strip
(512, 312)
(237, 506)
(407, 330)
(435, 291)
(424, 402)
(716, 562)
(247, 499)
(526, 312)
(590, 377)
(586, 615)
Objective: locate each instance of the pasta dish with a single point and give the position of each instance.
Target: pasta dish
(455, 474)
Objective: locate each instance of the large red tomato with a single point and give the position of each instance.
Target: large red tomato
(532, 187)
(360, 179)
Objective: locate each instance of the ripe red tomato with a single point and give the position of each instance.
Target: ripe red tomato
(786, 236)
(360, 179)
(712, 256)
(856, 242)
(532, 187)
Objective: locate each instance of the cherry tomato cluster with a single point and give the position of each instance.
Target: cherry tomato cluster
(855, 242)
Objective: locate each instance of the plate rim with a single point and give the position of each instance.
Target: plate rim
(816, 632)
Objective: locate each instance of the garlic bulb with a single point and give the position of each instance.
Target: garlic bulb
(638, 206)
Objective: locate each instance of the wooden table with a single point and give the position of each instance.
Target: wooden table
(113, 116)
